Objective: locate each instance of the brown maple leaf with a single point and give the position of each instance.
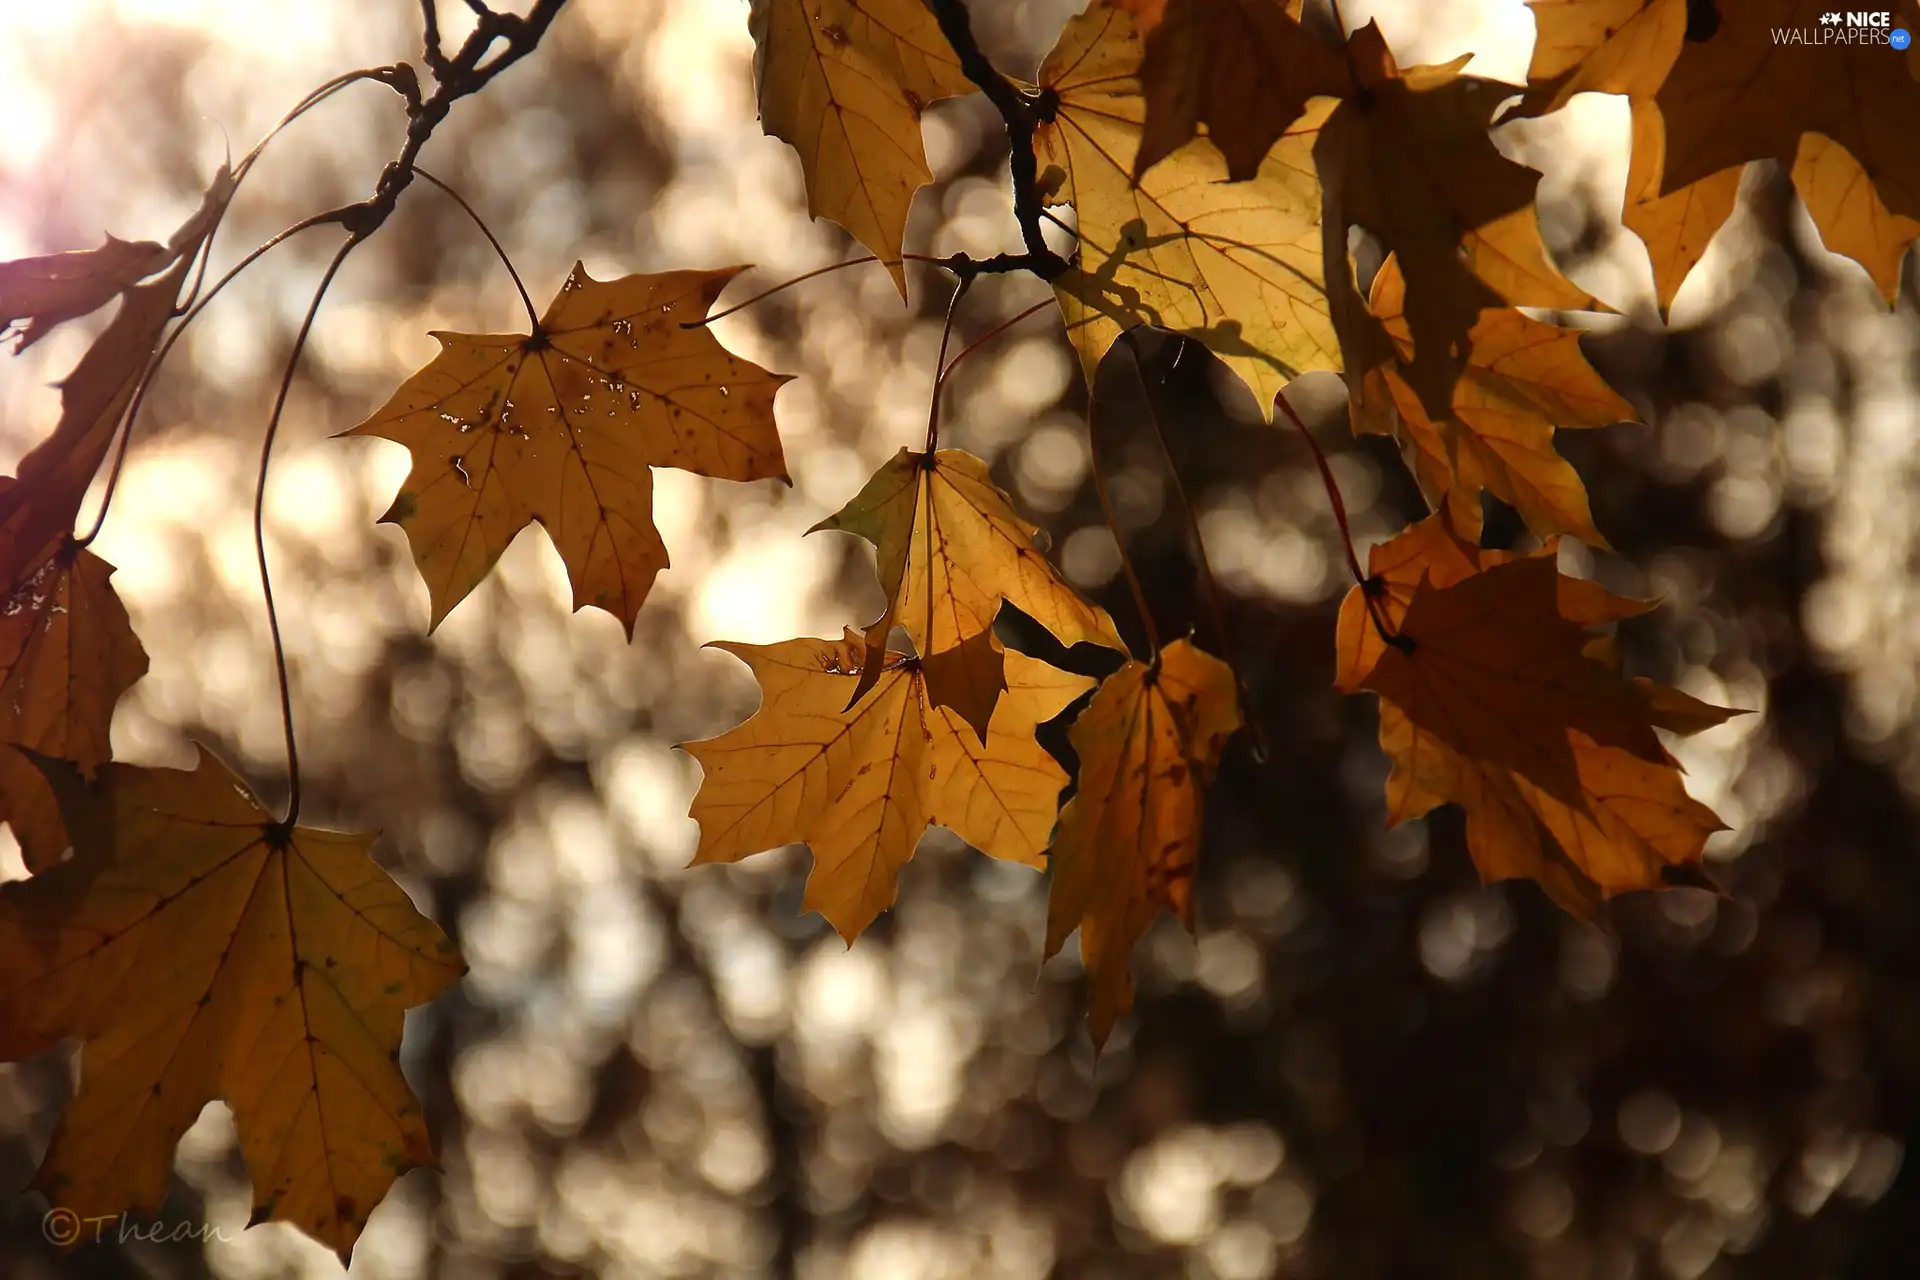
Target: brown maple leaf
(1408, 158)
(561, 428)
(859, 784)
(1495, 696)
(949, 547)
(1148, 743)
(844, 82)
(1600, 46)
(201, 951)
(1243, 68)
(1523, 378)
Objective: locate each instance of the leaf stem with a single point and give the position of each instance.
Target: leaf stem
(991, 334)
(125, 439)
(1113, 528)
(533, 317)
(260, 525)
(1339, 515)
(1210, 588)
(802, 278)
(940, 364)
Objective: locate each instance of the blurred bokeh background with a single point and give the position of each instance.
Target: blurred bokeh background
(1365, 1065)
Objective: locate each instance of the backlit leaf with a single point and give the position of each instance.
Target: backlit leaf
(560, 429)
(202, 951)
(859, 784)
(1149, 743)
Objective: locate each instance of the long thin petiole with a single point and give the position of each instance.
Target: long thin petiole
(1209, 587)
(783, 285)
(1113, 528)
(1339, 515)
(125, 439)
(260, 528)
(991, 334)
(940, 363)
(533, 317)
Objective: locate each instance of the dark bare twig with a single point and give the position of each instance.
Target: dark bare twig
(1022, 113)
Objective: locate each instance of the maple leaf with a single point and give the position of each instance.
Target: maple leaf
(1509, 257)
(53, 288)
(1600, 46)
(1676, 227)
(1740, 95)
(561, 427)
(1494, 696)
(56, 287)
(1244, 68)
(67, 653)
(860, 784)
(1851, 217)
(1236, 267)
(203, 951)
(949, 547)
(1149, 743)
(844, 82)
(1409, 159)
(1522, 379)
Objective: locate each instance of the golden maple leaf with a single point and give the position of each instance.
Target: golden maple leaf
(1494, 696)
(1678, 226)
(204, 951)
(561, 428)
(1246, 69)
(1522, 379)
(1600, 46)
(844, 82)
(1149, 743)
(949, 547)
(1234, 266)
(860, 784)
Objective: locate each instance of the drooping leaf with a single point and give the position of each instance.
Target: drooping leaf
(859, 784)
(1852, 218)
(1509, 256)
(1523, 378)
(67, 653)
(1600, 46)
(949, 548)
(1243, 68)
(1409, 158)
(1235, 266)
(38, 293)
(1149, 743)
(561, 427)
(1742, 95)
(844, 82)
(1494, 696)
(1677, 227)
(203, 951)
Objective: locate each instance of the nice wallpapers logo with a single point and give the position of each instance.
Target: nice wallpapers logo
(1851, 27)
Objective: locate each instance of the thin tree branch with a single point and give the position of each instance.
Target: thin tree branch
(1022, 114)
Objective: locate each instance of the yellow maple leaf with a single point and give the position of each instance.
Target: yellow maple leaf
(1235, 266)
(1677, 226)
(561, 428)
(1523, 378)
(949, 547)
(1495, 696)
(1600, 46)
(844, 82)
(1149, 743)
(204, 951)
(860, 784)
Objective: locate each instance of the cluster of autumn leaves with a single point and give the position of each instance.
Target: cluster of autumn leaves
(1212, 156)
